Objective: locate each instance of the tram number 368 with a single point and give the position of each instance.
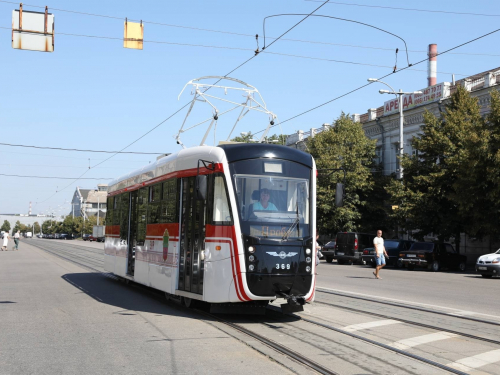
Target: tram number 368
(283, 266)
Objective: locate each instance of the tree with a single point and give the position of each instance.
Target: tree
(245, 137)
(248, 137)
(36, 227)
(5, 226)
(451, 186)
(89, 224)
(346, 146)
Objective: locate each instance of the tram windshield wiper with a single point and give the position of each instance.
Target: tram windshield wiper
(292, 227)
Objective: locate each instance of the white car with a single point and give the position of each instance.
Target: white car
(489, 265)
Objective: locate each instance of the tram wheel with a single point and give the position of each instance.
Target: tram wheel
(189, 302)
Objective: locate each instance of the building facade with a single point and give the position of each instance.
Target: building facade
(383, 125)
(90, 202)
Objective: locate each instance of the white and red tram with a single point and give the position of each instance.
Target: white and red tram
(231, 225)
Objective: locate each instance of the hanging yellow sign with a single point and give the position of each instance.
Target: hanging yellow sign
(133, 36)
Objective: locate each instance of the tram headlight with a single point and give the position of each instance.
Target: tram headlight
(308, 269)
(308, 259)
(251, 249)
(251, 267)
(308, 251)
(251, 258)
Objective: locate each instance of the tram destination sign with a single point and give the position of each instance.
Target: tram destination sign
(429, 95)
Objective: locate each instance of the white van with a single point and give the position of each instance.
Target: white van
(29, 235)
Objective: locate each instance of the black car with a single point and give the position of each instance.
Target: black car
(392, 248)
(85, 237)
(433, 256)
(350, 245)
(64, 236)
(328, 251)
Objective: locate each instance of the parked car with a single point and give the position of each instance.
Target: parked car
(349, 246)
(85, 237)
(96, 239)
(65, 236)
(392, 248)
(328, 251)
(433, 256)
(488, 265)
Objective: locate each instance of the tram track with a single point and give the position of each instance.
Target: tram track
(366, 340)
(408, 306)
(95, 265)
(417, 324)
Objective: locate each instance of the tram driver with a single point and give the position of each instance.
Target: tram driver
(262, 204)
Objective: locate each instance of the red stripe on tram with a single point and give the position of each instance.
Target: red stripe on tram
(230, 232)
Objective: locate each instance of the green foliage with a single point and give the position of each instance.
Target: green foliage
(36, 227)
(5, 226)
(249, 137)
(451, 186)
(343, 146)
(245, 138)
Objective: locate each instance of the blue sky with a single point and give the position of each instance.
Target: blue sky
(91, 93)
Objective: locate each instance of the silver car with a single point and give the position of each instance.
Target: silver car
(489, 265)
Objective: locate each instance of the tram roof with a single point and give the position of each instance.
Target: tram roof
(183, 159)
(245, 151)
(188, 158)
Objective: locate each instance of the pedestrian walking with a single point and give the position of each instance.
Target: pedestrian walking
(380, 253)
(5, 241)
(318, 250)
(16, 241)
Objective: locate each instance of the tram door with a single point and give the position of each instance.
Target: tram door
(193, 219)
(132, 233)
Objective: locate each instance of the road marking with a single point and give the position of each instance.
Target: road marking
(480, 360)
(420, 340)
(376, 323)
(371, 296)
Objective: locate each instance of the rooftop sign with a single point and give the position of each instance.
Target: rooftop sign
(429, 95)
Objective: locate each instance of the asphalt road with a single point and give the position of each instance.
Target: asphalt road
(58, 318)
(466, 291)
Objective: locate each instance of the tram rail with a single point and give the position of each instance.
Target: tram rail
(407, 306)
(406, 321)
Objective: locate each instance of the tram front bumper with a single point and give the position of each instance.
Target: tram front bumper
(265, 285)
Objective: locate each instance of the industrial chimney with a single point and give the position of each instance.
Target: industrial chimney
(29, 213)
(432, 67)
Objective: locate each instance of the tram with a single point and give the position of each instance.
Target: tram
(231, 225)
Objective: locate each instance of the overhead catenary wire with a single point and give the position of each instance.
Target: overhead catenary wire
(236, 33)
(80, 150)
(243, 34)
(262, 52)
(387, 75)
(410, 9)
(58, 178)
(339, 19)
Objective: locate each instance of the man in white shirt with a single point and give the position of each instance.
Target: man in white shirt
(380, 253)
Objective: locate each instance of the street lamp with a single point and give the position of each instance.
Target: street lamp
(399, 94)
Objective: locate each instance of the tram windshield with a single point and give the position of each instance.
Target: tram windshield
(272, 204)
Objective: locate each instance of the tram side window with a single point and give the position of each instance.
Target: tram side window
(142, 210)
(116, 210)
(109, 212)
(169, 201)
(124, 210)
(221, 213)
(154, 204)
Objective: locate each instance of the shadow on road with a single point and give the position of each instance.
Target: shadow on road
(129, 298)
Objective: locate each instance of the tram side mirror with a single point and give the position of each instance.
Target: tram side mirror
(339, 195)
(201, 187)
